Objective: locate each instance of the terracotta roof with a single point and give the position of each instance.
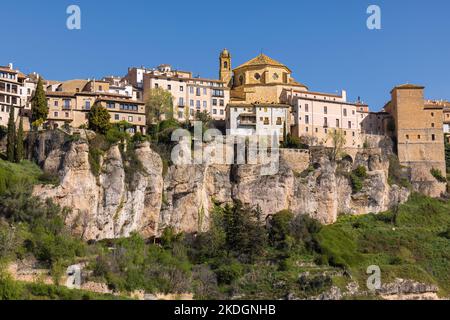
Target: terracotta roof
(262, 60)
(408, 86)
(60, 94)
(3, 68)
(258, 105)
(120, 100)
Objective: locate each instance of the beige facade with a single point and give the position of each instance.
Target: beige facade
(418, 128)
(73, 107)
(189, 94)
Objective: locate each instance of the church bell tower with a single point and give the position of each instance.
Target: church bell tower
(225, 73)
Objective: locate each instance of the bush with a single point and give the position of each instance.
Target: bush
(99, 119)
(437, 174)
(9, 289)
(356, 182)
(279, 230)
(228, 273)
(361, 172)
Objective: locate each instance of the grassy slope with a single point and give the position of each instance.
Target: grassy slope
(16, 175)
(413, 248)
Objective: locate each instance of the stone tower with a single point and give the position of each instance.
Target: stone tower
(225, 73)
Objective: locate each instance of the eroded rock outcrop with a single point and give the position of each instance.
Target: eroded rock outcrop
(118, 202)
(106, 206)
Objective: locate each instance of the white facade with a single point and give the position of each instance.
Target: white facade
(257, 119)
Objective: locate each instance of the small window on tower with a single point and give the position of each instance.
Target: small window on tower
(225, 65)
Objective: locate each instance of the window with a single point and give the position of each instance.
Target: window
(306, 119)
(257, 76)
(66, 103)
(197, 92)
(432, 114)
(317, 130)
(337, 123)
(169, 87)
(306, 129)
(221, 103)
(325, 110)
(191, 90)
(214, 102)
(306, 108)
(110, 105)
(204, 91)
(180, 114)
(266, 121)
(325, 122)
(349, 124)
(407, 137)
(433, 137)
(87, 104)
(214, 111)
(181, 102)
(130, 119)
(353, 133)
(67, 114)
(55, 113)
(100, 88)
(191, 103)
(225, 65)
(221, 112)
(116, 117)
(432, 125)
(345, 112)
(275, 76)
(156, 85)
(205, 105)
(198, 104)
(56, 103)
(418, 137)
(181, 88)
(279, 121)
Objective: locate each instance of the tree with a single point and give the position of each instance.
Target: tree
(99, 119)
(39, 107)
(11, 138)
(159, 103)
(19, 143)
(338, 142)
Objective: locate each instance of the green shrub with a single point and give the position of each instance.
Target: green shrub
(437, 174)
(228, 273)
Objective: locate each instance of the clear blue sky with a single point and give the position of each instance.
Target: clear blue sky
(325, 42)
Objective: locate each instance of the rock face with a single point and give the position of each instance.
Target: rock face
(118, 202)
(107, 206)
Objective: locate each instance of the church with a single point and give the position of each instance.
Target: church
(266, 98)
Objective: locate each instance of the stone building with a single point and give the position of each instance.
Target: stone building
(72, 100)
(419, 133)
(16, 89)
(189, 94)
(312, 115)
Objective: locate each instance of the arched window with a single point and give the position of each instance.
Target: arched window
(225, 65)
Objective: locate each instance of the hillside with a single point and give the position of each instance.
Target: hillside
(238, 258)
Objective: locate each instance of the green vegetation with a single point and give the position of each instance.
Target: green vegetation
(447, 153)
(158, 104)
(19, 151)
(99, 119)
(397, 174)
(241, 256)
(338, 141)
(357, 178)
(411, 246)
(39, 107)
(437, 174)
(11, 137)
(293, 142)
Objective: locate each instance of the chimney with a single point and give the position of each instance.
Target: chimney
(344, 95)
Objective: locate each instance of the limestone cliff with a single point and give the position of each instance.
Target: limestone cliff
(114, 204)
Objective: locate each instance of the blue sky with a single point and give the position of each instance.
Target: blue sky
(325, 42)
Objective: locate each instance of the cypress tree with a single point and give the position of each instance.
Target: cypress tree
(19, 143)
(39, 107)
(11, 138)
